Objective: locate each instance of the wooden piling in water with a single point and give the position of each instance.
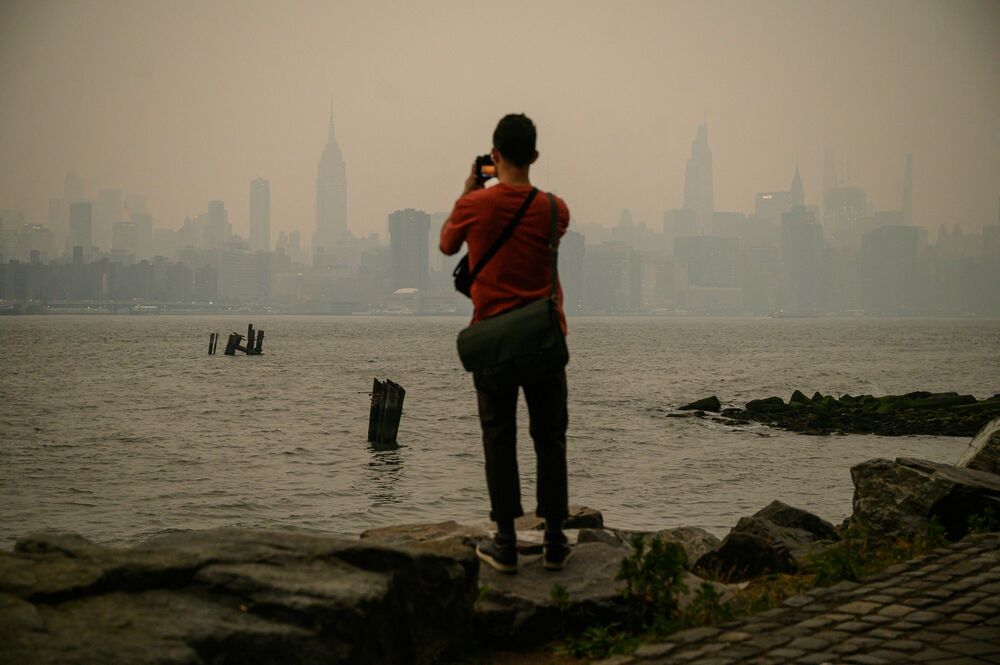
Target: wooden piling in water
(233, 344)
(211, 342)
(385, 412)
(250, 335)
(260, 343)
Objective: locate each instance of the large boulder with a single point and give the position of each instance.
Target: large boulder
(776, 539)
(902, 497)
(233, 596)
(984, 449)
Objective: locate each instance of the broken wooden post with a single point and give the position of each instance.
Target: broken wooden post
(260, 342)
(211, 342)
(249, 349)
(378, 395)
(392, 412)
(385, 413)
(233, 344)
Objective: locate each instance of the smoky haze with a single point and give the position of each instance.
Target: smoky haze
(188, 101)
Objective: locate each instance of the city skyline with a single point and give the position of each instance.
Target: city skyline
(774, 81)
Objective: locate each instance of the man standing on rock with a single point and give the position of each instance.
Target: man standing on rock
(518, 274)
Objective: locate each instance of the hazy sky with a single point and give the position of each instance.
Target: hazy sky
(188, 101)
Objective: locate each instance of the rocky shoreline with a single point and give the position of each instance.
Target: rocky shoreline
(416, 593)
(916, 413)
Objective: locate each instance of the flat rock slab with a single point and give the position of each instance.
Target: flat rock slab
(535, 605)
(233, 596)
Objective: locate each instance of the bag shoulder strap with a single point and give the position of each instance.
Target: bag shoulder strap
(554, 244)
(507, 233)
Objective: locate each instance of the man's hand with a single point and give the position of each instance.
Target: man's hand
(472, 182)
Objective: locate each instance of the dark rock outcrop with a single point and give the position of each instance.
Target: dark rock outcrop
(233, 596)
(939, 414)
(776, 539)
(707, 404)
(984, 449)
(903, 496)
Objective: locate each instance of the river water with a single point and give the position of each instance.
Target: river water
(121, 427)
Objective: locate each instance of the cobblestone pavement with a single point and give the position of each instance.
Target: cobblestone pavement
(943, 608)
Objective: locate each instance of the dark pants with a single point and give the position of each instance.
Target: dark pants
(546, 398)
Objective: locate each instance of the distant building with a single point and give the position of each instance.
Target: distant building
(698, 188)
(331, 195)
(81, 227)
(889, 270)
(680, 223)
(844, 208)
(107, 211)
(770, 206)
(908, 191)
(260, 215)
(144, 248)
(572, 252)
(610, 281)
(710, 261)
(408, 232)
(216, 227)
(125, 238)
(802, 261)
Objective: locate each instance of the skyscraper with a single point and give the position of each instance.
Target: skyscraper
(698, 193)
(797, 191)
(331, 195)
(408, 231)
(216, 227)
(260, 215)
(107, 211)
(830, 180)
(908, 191)
(81, 227)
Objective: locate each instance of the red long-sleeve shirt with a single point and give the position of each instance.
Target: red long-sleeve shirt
(520, 271)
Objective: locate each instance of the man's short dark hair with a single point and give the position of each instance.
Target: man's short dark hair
(515, 137)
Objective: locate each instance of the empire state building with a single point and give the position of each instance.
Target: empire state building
(331, 195)
(698, 194)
